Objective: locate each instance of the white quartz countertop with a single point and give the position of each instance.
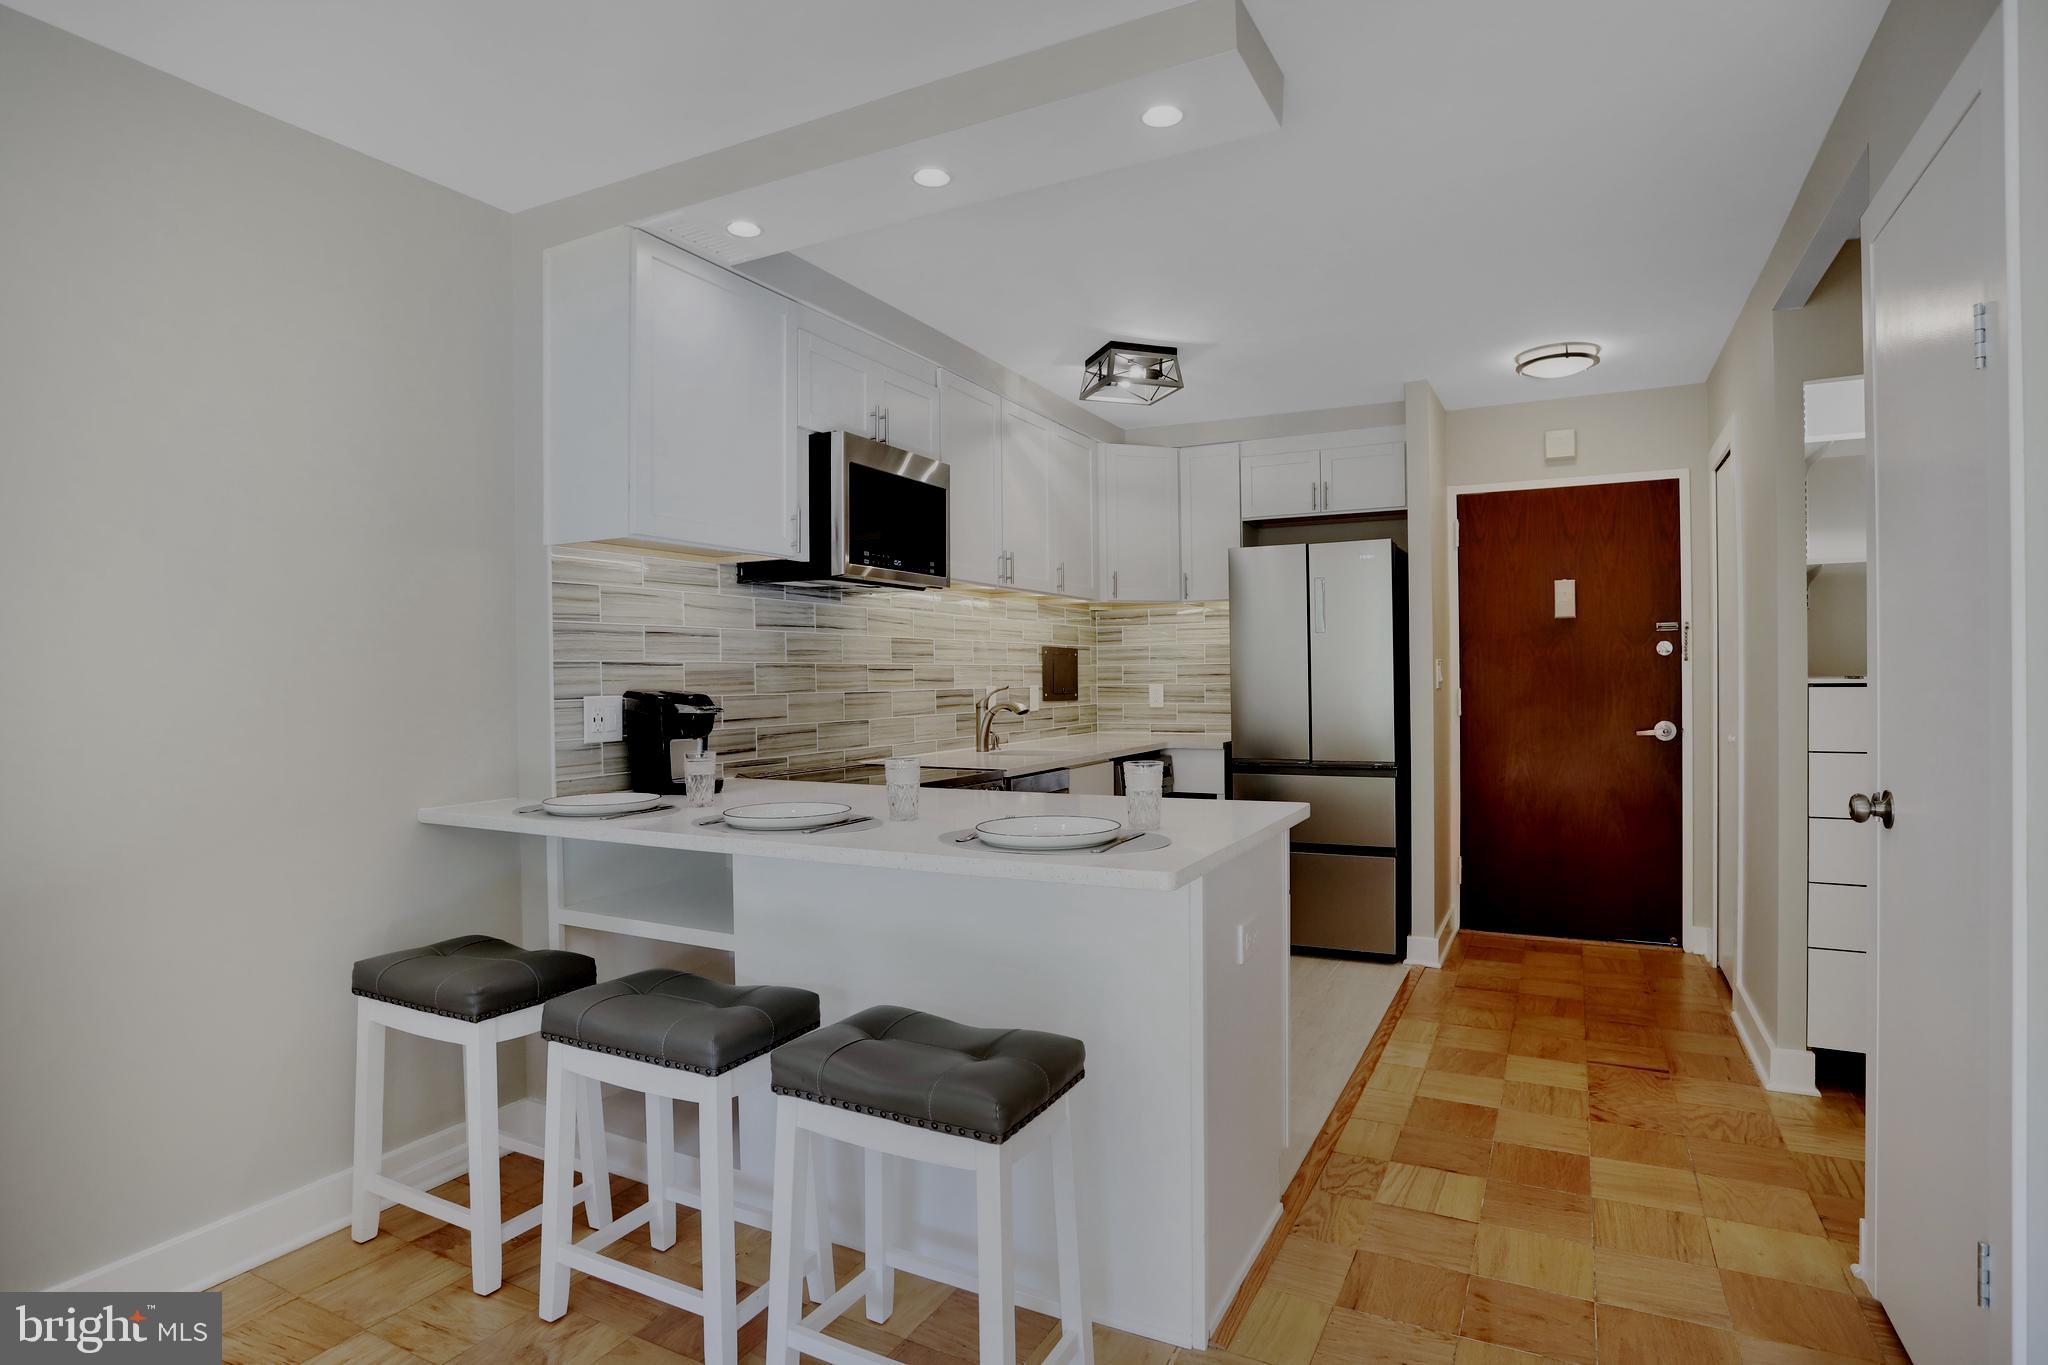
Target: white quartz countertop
(1204, 834)
(1032, 755)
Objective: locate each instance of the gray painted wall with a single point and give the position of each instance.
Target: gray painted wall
(254, 420)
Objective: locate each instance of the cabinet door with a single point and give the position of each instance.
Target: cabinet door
(832, 387)
(1369, 478)
(1141, 523)
(970, 442)
(714, 463)
(1073, 512)
(1281, 485)
(1027, 500)
(1210, 527)
(910, 407)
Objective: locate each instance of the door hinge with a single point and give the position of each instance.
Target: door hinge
(1457, 532)
(1981, 322)
(1685, 652)
(1983, 1274)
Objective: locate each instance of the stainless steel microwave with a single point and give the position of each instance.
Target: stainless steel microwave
(879, 517)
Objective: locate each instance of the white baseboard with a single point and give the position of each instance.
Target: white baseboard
(1222, 1305)
(1785, 1069)
(226, 1247)
(1425, 950)
(1699, 938)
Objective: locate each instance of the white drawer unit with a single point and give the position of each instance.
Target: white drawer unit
(1841, 863)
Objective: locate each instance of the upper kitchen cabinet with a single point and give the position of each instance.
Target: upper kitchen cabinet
(1072, 459)
(848, 380)
(971, 444)
(666, 396)
(1346, 471)
(1027, 553)
(1210, 524)
(1140, 524)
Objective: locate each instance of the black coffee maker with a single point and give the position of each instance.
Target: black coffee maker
(663, 729)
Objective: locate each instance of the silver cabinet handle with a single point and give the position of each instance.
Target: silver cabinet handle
(883, 434)
(1862, 807)
(1322, 606)
(1183, 585)
(1312, 495)
(1326, 495)
(1062, 583)
(1113, 591)
(796, 527)
(1663, 731)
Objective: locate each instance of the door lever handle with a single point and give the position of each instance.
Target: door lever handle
(1862, 807)
(1663, 730)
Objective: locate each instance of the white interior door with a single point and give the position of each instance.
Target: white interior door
(1728, 716)
(1940, 578)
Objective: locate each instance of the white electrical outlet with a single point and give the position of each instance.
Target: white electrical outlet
(604, 719)
(1037, 697)
(1156, 694)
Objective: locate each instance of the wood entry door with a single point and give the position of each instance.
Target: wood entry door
(1571, 820)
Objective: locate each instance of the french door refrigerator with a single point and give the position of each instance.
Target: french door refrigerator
(1319, 713)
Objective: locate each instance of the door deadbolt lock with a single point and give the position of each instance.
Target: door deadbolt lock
(1664, 649)
(1862, 807)
(1663, 730)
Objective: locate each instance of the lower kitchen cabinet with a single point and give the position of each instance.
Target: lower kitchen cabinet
(1140, 524)
(667, 401)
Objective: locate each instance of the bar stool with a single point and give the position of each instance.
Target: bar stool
(898, 1082)
(475, 992)
(671, 1036)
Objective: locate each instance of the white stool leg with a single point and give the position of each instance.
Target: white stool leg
(661, 1159)
(881, 1280)
(818, 1226)
(1074, 1324)
(992, 1234)
(597, 1166)
(785, 1299)
(557, 1219)
(369, 1155)
(486, 1220)
(715, 1178)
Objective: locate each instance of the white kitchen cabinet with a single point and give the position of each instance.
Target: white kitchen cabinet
(1073, 511)
(1027, 500)
(1281, 483)
(1333, 473)
(1365, 478)
(849, 381)
(1140, 524)
(1210, 525)
(666, 401)
(971, 444)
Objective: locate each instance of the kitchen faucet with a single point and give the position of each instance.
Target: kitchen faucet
(986, 740)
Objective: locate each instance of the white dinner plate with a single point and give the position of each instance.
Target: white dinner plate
(600, 803)
(786, 814)
(1047, 831)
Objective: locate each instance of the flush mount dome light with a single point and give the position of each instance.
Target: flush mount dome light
(1558, 359)
(1162, 116)
(1130, 372)
(743, 227)
(932, 178)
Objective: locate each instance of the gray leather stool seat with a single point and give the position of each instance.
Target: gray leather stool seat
(676, 1019)
(472, 977)
(918, 1068)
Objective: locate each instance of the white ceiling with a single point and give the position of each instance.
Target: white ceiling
(1452, 182)
(1454, 179)
(522, 102)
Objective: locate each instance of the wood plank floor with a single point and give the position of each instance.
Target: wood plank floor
(1560, 1155)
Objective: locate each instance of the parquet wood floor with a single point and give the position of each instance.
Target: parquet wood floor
(1558, 1154)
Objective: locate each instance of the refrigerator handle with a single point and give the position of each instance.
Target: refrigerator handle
(1320, 621)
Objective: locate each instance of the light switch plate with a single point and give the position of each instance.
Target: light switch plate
(1565, 597)
(1037, 697)
(1155, 695)
(604, 719)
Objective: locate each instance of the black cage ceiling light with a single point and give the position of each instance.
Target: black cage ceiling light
(1128, 372)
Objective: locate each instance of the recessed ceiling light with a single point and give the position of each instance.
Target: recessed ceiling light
(1558, 359)
(743, 227)
(932, 178)
(1162, 116)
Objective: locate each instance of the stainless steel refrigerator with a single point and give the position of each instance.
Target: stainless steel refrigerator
(1319, 713)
